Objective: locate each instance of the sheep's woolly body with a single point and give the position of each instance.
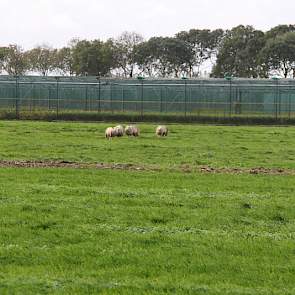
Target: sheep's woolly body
(119, 130)
(128, 130)
(162, 131)
(132, 130)
(135, 131)
(110, 132)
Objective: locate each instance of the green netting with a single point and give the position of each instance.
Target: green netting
(219, 97)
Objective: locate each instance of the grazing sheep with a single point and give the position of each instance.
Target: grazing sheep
(119, 130)
(129, 130)
(162, 131)
(110, 132)
(135, 131)
(132, 130)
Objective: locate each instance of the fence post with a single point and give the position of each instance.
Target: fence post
(16, 97)
(230, 97)
(276, 79)
(31, 96)
(161, 101)
(229, 78)
(279, 98)
(98, 105)
(34, 97)
(185, 95)
(239, 106)
(111, 98)
(49, 98)
(86, 98)
(289, 98)
(165, 99)
(123, 99)
(140, 78)
(57, 96)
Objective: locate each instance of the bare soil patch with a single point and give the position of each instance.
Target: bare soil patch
(136, 167)
(69, 164)
(256, 170)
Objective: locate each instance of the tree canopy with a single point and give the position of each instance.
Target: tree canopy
(242, 51)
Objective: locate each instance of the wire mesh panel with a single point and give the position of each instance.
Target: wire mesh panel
(194, 97)
(8, 95)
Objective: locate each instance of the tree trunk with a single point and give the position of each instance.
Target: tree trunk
(285, 73)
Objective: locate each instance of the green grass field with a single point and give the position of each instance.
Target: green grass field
(91, 231)
(221, 146)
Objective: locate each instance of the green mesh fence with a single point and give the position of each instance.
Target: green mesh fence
(211, 97)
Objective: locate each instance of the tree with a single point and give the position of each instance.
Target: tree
(124, 52)
(164, 57)
(3, 51)
(279, 30)
(13, 60)
(144, 57)
(279, 54)
(215, 40)
(92, 58)
(239, 53)
(64, 61)
(42, 59)
(203, 44)
(178, 56)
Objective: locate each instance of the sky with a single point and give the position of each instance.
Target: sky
(55, 22)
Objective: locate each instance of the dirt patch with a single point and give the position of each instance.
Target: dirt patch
(134, 167)
(40, 164)
(257, 170)
(69, 164)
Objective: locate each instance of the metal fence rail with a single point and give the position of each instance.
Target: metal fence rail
(212, 97)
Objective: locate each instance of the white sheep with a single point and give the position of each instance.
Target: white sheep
(161, 130)
(119, 130)
(129, 130)
(132, 130)
(110, 132)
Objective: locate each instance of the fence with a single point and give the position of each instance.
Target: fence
(195, 97)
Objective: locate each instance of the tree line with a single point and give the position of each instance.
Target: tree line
(242, 51)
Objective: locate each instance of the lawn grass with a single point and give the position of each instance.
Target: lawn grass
(89, 231)
(79, 231)
(195, 145)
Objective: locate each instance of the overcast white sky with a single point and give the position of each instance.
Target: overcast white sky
(55, 22)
